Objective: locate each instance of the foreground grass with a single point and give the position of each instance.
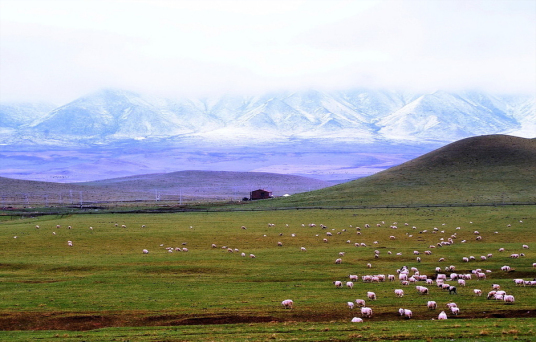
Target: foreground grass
(105, 284)
(457, 330)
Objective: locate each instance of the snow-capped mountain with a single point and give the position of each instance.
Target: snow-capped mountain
(15, 115)
(444, 117)
(362, 116)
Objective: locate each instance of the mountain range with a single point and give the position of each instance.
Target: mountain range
(118, 116)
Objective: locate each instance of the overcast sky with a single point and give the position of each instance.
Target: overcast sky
(58, 50)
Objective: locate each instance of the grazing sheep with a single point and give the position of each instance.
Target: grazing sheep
(337, 283)
(451, 305)
(461, 282)
(477, 292)
(353, 277)
(519, 281)
(357, 320)
(145, 251)
(366, 312)
(455, 310)
(338, 261)
(360, 302)
(366, 278)
(442, 315)
(399, 293)
(252, 256)
(350, 305)
(350, 284)
(406, 313)
(422, 290)
(452, 290)
(509, 299)
(70, 243)
(371, 295)
(287, 303)
(432, 305)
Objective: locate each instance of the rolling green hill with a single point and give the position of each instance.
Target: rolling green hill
(478, 170)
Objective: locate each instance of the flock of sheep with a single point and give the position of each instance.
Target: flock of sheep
(404, 275)
(411, 276)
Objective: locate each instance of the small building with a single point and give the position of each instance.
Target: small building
(259, 194)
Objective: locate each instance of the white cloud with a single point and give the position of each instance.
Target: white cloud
(61, 49)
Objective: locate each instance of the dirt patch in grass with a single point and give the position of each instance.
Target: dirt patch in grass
(90, 321)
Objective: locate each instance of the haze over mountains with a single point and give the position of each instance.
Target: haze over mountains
(336, 135)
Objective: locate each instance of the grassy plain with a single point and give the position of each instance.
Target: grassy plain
(103, 288)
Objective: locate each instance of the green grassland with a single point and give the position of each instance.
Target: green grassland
(104, 288)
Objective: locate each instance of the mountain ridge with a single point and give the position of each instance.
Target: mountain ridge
(110, 116)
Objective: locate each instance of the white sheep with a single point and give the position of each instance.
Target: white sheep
(399, 293)
(406, 313)
(432, 305)
(366, 312)
(337, 283)
(357, 320)
(350, 284)
(70, 243)
(353, 277)
(360, 302)
(287, 303)
(145, 251)
(422, 290)
(350, 305)
(455, 310)
(509, 299)
(442, 315)
(371, 295)
(477, 292)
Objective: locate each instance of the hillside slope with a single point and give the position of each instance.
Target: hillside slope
(182, 185)
(485, 169)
